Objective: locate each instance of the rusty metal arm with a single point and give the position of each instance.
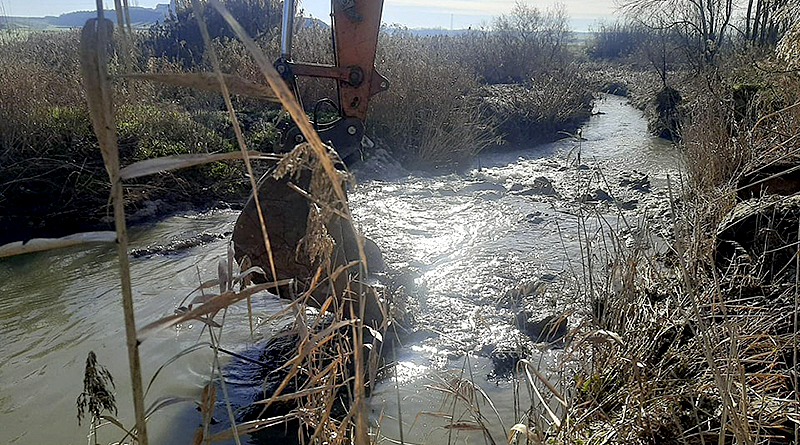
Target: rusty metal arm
(355, 28)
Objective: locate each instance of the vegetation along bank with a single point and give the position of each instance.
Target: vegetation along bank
(450, 98)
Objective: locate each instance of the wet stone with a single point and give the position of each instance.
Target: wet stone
(535, 217)
(540, 186)
(634, 180)
(444, 191)
(503, 364)
(599, 195)
(550, 329)
(548, 277)
(491, 196)
(178, 245)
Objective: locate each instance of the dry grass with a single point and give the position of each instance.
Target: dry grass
(692, 350)
(329, 363)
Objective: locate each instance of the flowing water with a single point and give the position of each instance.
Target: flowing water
(475, 248)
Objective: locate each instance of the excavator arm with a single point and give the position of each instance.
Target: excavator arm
(285, 212)
(355, 26)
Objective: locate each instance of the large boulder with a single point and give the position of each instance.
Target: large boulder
(762, 232)
(286, 218)
(781, 178)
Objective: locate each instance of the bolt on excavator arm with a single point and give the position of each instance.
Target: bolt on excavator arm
(355, 26)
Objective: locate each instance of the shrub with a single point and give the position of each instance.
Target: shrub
(520, 45)
(616, 41)
(538, 110)
(179, 40)
(426, 114)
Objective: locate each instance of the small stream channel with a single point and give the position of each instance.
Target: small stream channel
(464, 241)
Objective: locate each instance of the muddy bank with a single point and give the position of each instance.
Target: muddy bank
(14, 227)
(53, 181)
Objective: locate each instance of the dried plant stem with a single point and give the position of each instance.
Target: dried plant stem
(729, 406)
(127, 16)
(40, 244)
(127, 305)
(288, 100)
(238, 132)
(796, 304)
(94, 43)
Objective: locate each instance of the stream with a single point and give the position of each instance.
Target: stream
(476, 249)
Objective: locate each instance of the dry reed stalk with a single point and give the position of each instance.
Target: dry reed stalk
(168, 163)
(236, 128)
(739, 419)
(209, 304)
(316, 341)
(298, 115)
(95, 38)
(42, 244)
(209, 82)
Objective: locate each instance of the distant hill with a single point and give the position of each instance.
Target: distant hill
(577, 36)
(139, 17)
(427, 32)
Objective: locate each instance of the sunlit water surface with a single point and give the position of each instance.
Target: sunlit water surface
(465, 240)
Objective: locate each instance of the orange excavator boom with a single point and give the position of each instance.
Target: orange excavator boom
(355, 26)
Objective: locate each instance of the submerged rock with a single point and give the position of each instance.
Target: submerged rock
(503, 363)
(256, 374)
(535, 217)
(550, 329)
(178, 245)
(599, 195)
(634, 180)
(761, 232)
(540, 186)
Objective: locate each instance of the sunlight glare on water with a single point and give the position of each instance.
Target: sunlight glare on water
(465, 240)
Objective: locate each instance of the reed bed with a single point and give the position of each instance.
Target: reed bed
(686, 346)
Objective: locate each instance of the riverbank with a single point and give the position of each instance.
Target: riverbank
(699, 343)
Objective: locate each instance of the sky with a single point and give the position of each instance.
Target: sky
(411, 13)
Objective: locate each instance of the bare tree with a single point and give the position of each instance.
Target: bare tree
(531, 41)
(767, 21)
(703, 24)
